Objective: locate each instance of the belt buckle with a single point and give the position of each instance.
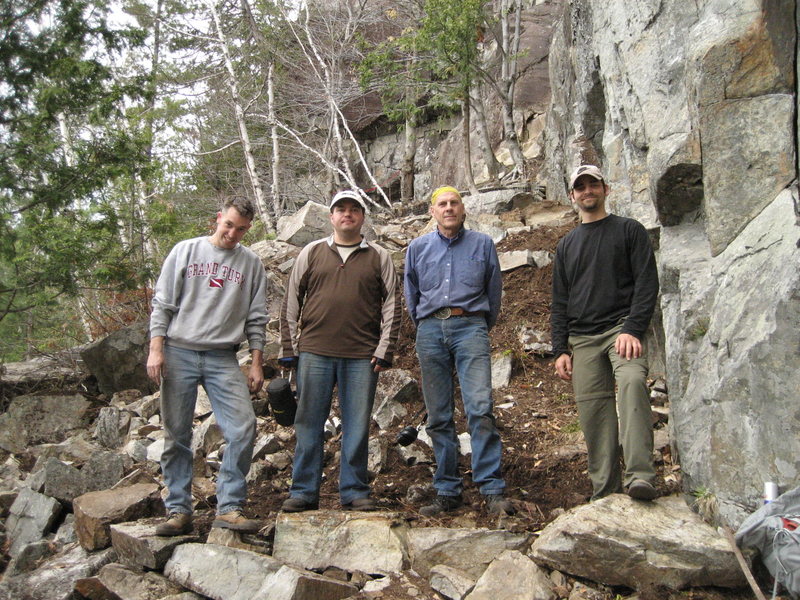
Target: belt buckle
(443, 313)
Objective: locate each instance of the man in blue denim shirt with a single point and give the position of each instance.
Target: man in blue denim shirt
(453, 289)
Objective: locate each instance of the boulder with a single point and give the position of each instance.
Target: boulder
(223, 573)
(122, 583)
(514, 259)
(493, 202)
(103, 470)
(451, 583)
(367, 542)
(31, 517)
(118, 360)
(310, 223)
(502, 365)
(95, 512)
(110, 427)
(470, 550)
(31, 420)
(56, 578)
(620, 541)
(61, 481)
(530, 580)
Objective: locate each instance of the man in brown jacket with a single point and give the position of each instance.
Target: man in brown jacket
(340, 322)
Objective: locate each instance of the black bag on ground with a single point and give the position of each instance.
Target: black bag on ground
(282, 401)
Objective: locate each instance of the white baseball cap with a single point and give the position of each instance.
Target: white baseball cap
(348, 195)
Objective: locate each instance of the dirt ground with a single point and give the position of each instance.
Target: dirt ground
(544, 461)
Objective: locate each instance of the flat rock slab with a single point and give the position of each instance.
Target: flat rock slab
(357, 541)
(224, 573)
(117, 581)
(55, 579)
(138, 545)
(470, 550)
(620, 541)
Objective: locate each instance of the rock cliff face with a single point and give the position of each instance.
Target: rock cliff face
(690, 107)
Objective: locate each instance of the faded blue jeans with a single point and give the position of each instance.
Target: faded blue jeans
(356, 381)
(219, 374)
(461, 343)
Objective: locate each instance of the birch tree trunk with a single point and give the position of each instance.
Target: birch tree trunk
(484, 143)
(473, 189)
(244, 136)
(277, 204)
(409, 157)
(509, 44)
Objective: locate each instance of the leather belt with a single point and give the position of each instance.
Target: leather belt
(453, 311)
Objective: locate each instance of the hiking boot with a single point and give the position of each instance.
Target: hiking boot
(365, 504)
(497, 504)
(441, 504)
(176, 524)
(237, 521)
(642, 490)
(298, 505)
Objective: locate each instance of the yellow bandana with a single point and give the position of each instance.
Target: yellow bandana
(445, 189)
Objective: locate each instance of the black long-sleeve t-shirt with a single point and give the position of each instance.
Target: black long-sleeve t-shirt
(604, 273)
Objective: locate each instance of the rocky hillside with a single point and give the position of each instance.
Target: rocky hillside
(83, 484)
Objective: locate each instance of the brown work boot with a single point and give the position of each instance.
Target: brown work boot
(176, 524)
(237, 521)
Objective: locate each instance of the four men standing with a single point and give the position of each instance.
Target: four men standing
(605, 287)
(340, 322)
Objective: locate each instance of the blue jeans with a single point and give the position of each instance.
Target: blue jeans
(219, 374)
(356, 380)
(461, 343)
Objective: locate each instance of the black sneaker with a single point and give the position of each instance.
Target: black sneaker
(442, 504)
(364, 504)
(497, 504)
(642, 490)
(298, 505)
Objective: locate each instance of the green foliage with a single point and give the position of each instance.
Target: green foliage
(431, 63)
(573, 427)
(61, 148)
(699, 329)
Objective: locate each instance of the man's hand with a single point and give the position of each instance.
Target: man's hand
(564, 367)
(155, 359)
(380, 364)
(628, 346)
(255, 378)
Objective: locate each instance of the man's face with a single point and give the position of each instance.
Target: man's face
(589, 193)
(347, 217)
(449, 211)
(231, 227)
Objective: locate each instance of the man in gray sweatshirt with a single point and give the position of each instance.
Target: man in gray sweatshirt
(210, 297)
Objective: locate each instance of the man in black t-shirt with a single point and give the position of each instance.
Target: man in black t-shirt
(605, 287)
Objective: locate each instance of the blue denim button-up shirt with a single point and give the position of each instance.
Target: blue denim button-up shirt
(462, 272)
